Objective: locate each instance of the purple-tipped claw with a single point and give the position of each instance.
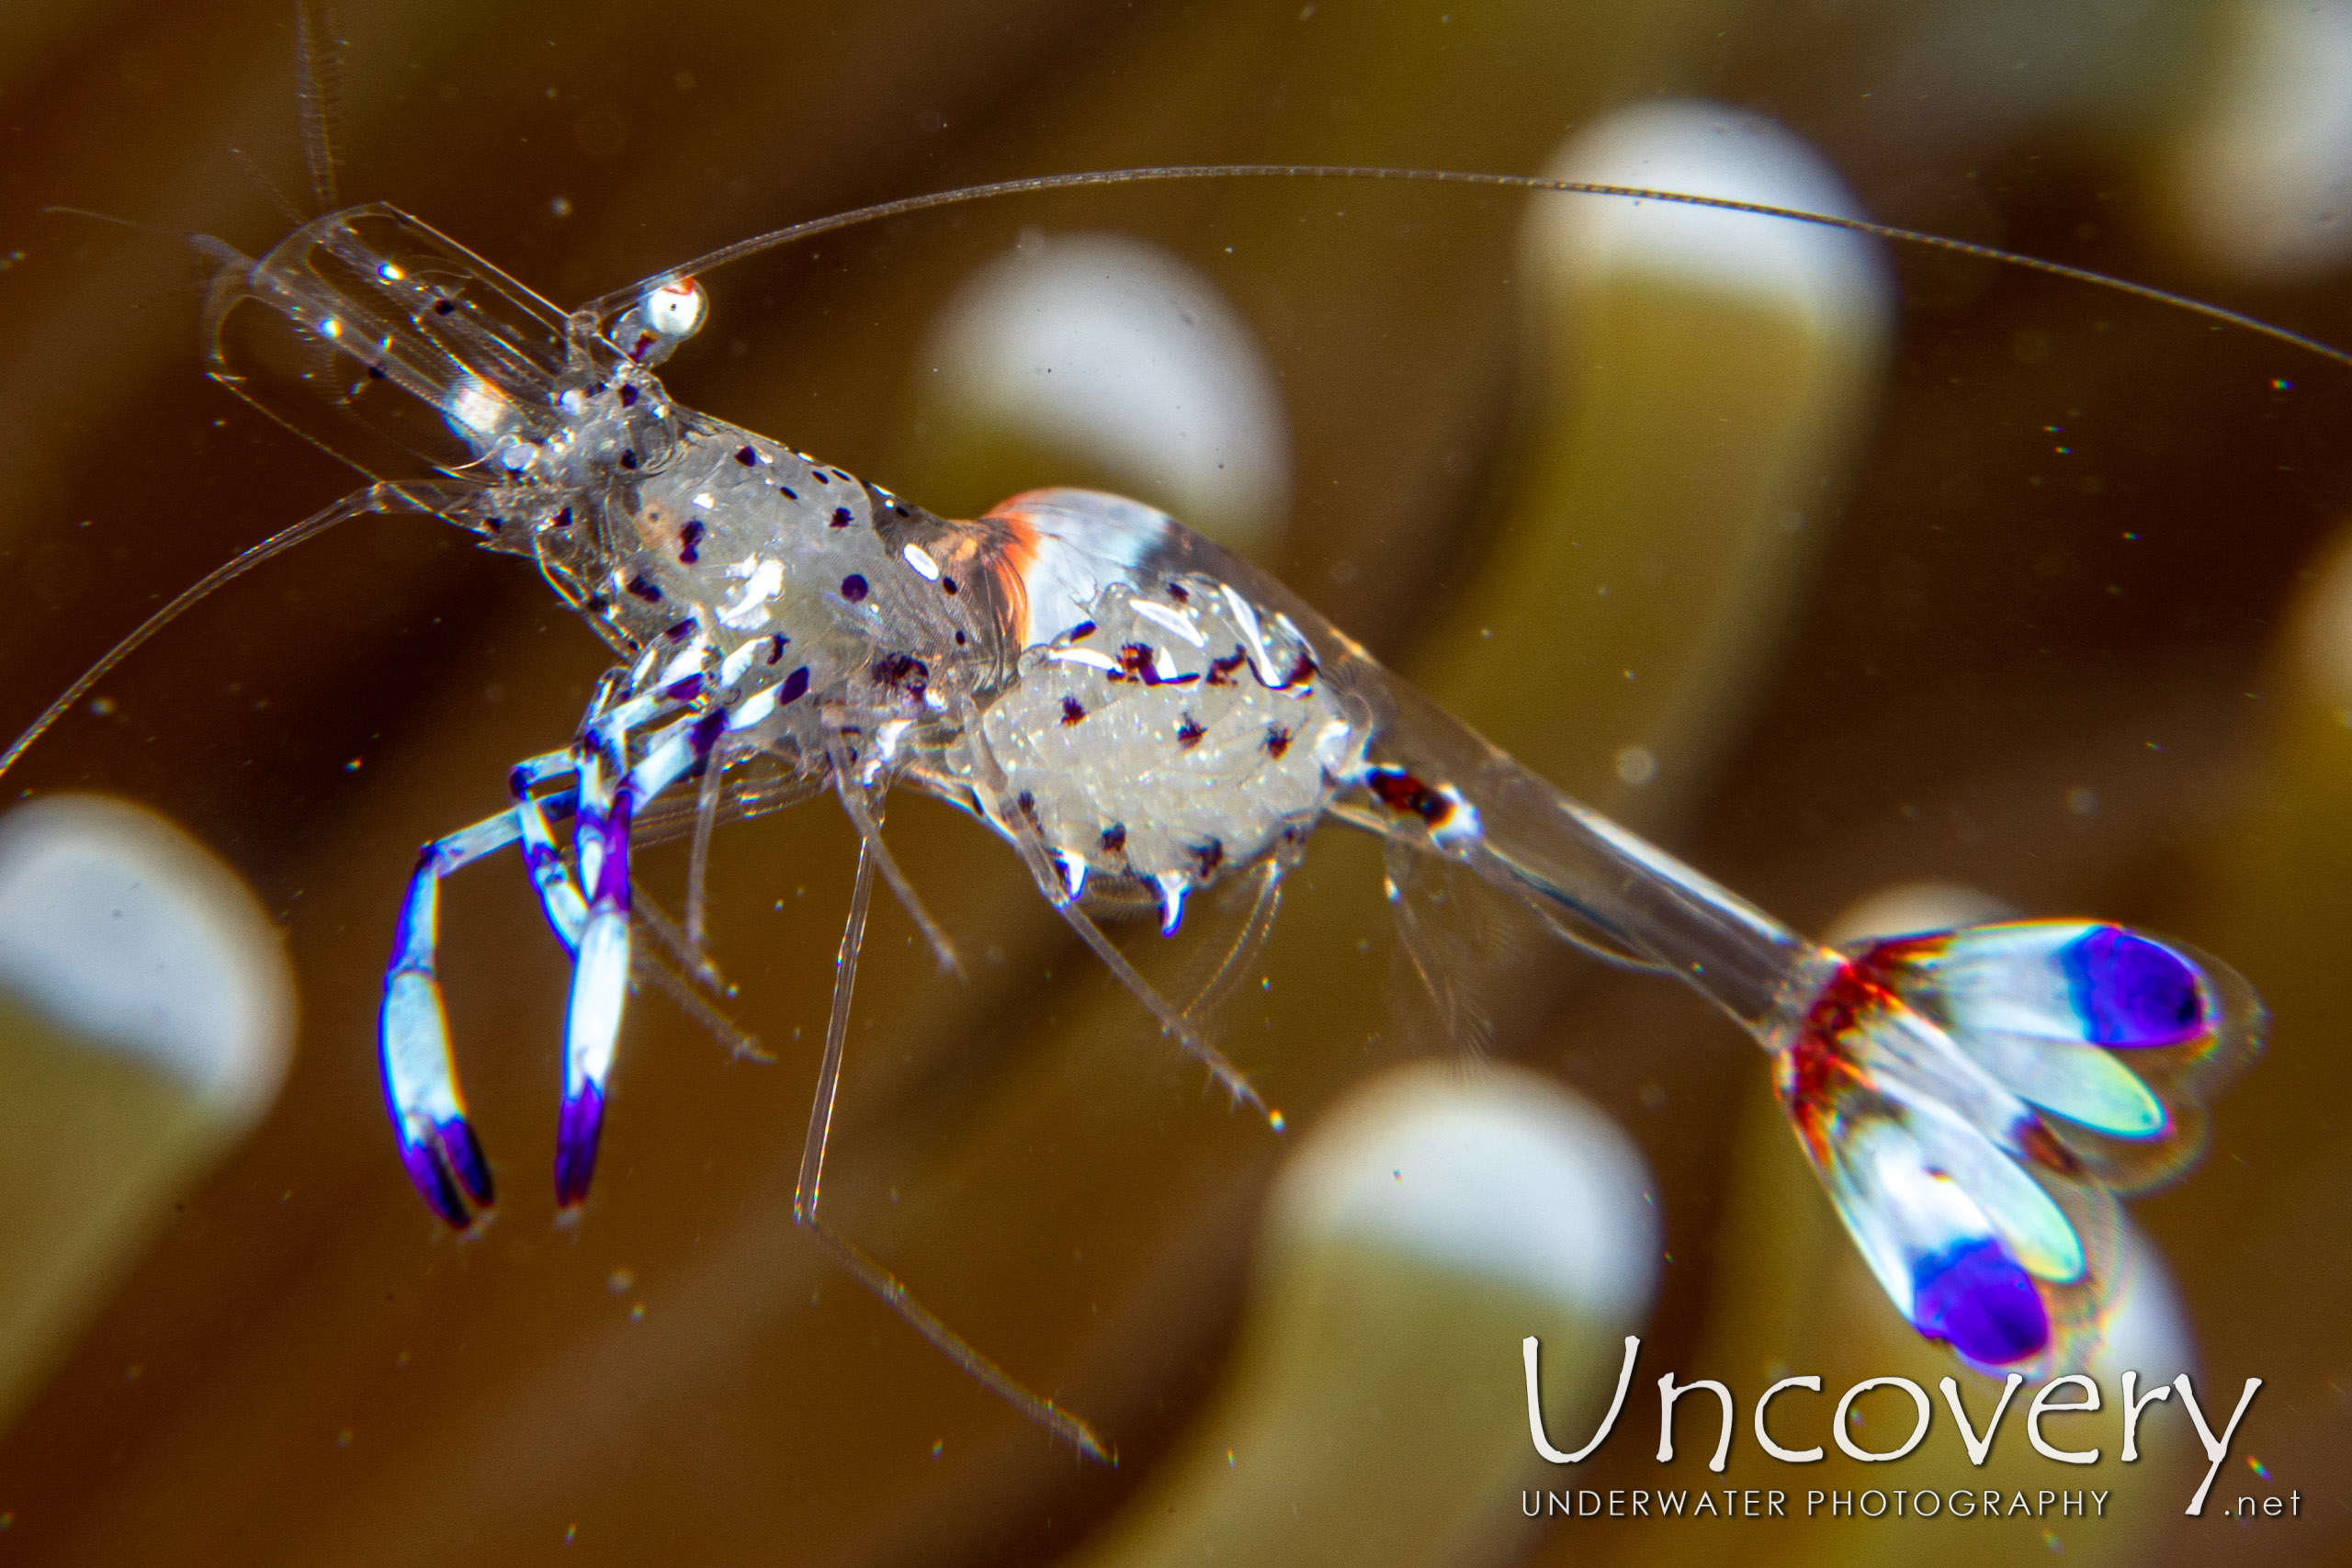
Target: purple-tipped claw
(447, 1167)
(430, 1174)
(577, 1132)
(462, 1153)
(599, 986)
(437, 1145)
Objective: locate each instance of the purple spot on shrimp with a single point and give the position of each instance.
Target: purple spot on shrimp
(629, 396)
(795, 687)
(1974, 1296)
(1114, 838)
(683, 691)
(789, 493)
(776, 648)
(948, 585)
(747, 456)
(643, 589)
(1082, 631)
(579, 1128)
(690, 541)
(2131, 991)
(853, 588)
(708, 729)
(677, 630)
(902, 672)
(629, 458)
(841, 517)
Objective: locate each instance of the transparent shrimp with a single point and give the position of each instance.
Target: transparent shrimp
(1141, 715)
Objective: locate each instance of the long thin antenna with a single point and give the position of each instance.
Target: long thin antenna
(797, 231)
(374, 498)
(318, 57)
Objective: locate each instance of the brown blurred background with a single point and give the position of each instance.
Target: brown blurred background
(2048, 652)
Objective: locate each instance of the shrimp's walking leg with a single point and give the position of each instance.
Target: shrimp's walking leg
(865, 1269)
(437, 1145)
(566, 910)
(600, 970)
(698, 860)
(850, 782)
(695, 985)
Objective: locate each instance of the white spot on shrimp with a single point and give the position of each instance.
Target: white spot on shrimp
(1085, 656)
(1174, 620)
(477, 409)
(763, 580)
(920, 560)
(1244, 616)
(752, 709)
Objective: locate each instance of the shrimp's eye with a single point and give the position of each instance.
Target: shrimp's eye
(668, 314)
(675, 308)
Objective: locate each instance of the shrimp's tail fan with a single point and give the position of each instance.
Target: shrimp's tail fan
(1973, 1100)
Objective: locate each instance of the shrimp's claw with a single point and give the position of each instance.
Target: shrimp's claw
(577, 1130)
(437, 1144)
(599, 986)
